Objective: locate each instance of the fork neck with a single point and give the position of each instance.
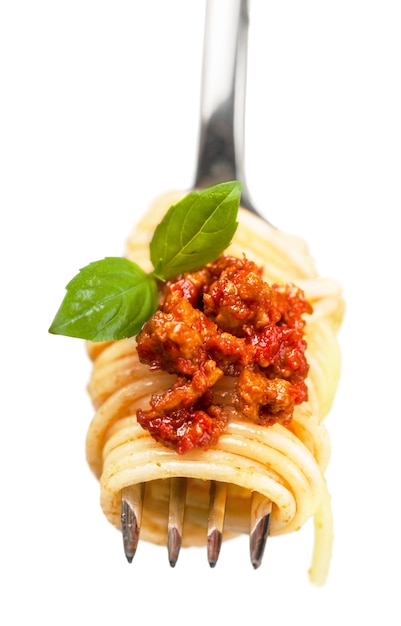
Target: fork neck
(222, 114)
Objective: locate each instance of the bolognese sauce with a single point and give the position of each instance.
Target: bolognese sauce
(224, 321)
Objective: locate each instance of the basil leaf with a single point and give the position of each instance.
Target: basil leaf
(109, 299)
(196, 230)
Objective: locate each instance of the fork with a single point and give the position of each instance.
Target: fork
(220, 158)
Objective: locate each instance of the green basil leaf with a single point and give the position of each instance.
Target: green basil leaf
(107, 300)
(196, 230)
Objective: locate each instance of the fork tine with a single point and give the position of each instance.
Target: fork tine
(217, 509)
(131, 518)
(261, 509)
(178, 489)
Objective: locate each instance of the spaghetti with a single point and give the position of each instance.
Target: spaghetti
(285, 463)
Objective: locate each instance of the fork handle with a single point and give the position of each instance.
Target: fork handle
(222, 114)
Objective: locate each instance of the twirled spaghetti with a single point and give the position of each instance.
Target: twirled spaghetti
(284, 463)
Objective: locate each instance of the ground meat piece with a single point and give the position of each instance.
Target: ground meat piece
(190, 285)
(186, 391)
(239, 298)
(185, 429)
(263, 400)
(292, 304)
(175, 339)
(280, 351)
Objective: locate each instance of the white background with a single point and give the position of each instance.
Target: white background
(98, 114)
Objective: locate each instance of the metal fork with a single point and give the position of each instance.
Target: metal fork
(220, 158)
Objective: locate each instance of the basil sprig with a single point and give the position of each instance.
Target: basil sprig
(112, 298)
